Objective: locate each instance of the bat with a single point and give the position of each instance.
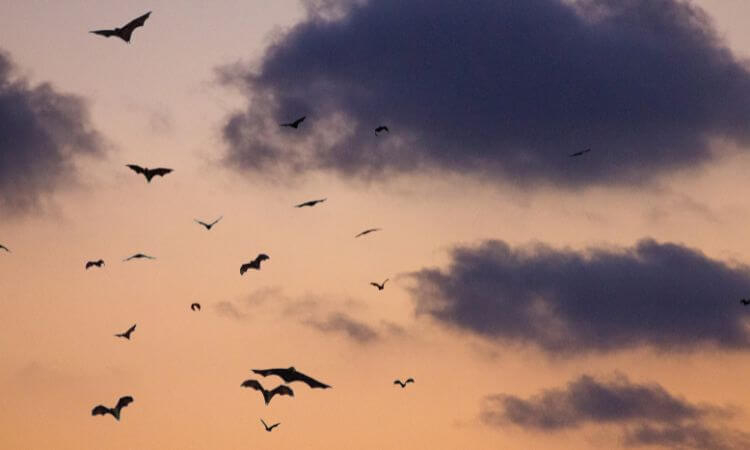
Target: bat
(195, 306)
(290, 375)
(268, 395)
(98, 263)
(2, 247)
(380, 286)
(294, 124)
(579, 153)
(254, 264)
(126, 31)
(127, 334)
(209, 225)
(371, 230)
(310, 203)
(138, 256)
(149, 173)
(102, 410)
(269, 429)
(404, 383)
(382, 128)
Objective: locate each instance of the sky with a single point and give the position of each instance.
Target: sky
(539, 301)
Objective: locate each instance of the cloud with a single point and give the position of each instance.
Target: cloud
(501, 90)
(338, 322)
(647, 414)
(41, 132)
(665, 296)
(228, 309)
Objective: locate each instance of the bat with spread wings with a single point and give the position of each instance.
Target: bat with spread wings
(126, 334)
(98, 263)
(294, 124)
(126, 31)
(404, 383)
(380, 286)
(102, 410)
(209, 225)
(149, 173)
(269, 428)
(254, 264)
(291, 375)
(310, 203)
(368, 231)
(268, 395)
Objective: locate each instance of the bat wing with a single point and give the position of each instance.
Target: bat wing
(105, 33)
(216, 221)
(245, 267)
(299, 121)
(254, 384)
(313, 383)
(161, 171)
(375, 284)
(137, 169)
(89, 264)
(135, 23)
(130, 330)
(100, 411)
(282, 390)
(274, 426)
(124, 401)
(410, 380)
(399, 383)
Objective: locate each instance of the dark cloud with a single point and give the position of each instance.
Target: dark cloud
(665, 296)
(338, 322)
(646, 414)
(41, 131)
(502, 89)
(228, 309)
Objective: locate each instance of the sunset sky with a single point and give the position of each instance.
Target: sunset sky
(539, 301)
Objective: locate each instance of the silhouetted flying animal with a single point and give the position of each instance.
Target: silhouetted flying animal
(290, 375)
(371, 230)
(403, 384)
(127, 334)
(380, 286)
(254, 264)
(310, 203)
(138, 256)
(98, 263)
(294, 124)
(126, 31)
(745, 301)
(269, 429)
(268, 395)
(195, 306)
(382, 128)
(102, 410)
(209, 225)
(579, 153)
(149, 173)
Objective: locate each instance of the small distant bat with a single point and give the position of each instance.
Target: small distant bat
(310, 203)
(98, 263)
(404, 383)
(254, 264)
(382, 128)
(294, 124)
(380, 286)
(2, 247)
(127, 334)
(290, 375)
(268, 395)
(149, 173)
(102, 410)
(572, 155)
(195, 306)
(371, 230)
(269, 429)
(138, 256)
(126, 31)
(209, 225)
(745, 301)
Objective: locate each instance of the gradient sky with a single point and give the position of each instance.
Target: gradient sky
(539, 301)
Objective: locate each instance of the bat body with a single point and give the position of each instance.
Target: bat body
(380, 286)
(2, 247)
(291, 375)
(371, 230)
(381, 129)
(209, 225)
(126, 31)
(149, 173)
(195, 306)
(126, 334)
(294, 124)
(269, 429)
(138, 256)
(268, 395)
(310, 203)
(102, 410)
(91, 264)
(404, 383)
(254, 264)
(745, 301)
(582, 152)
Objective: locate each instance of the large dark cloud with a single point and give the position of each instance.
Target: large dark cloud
(646, 413)
(504, 89)
(665, 296)
(41, 131)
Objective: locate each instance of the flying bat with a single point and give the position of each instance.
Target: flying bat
(404, 383)
(269, 429)
(745, 301)
(268, 395)
(371, 230)
(380, 286)
(254, 264)
(290, 375)
(127, 334)
(310, 203)
(294, 124)
(2, 247)
(126, 31)
(382, 128)
(138, 256)
(195, 306)
(209, 225)
(149, 173)
(94, 263)
(102, 410)
(579, 153)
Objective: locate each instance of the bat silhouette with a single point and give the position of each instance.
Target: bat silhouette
(149, 173)
(404, 383)
(2, 247)
(254, 264)
(382, 128)
(138, 256)
(268, 395)
(98, 263)
(745, 301)
(269, 429)
(290, 375)
(371, 230)
(126, 31)
(195, 306)
(127, 334)
(380, 286)
(579, 153)
(209, 225)
(102, 410)
(310, 203)
(294, 124)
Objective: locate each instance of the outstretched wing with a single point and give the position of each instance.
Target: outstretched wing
(124, 401)
(296, 123)
(375, 284)
(100, 410)
(410, 380)
(399, 383)
(313, 383)
(161, 171)
(105, 33)
(127, 30)
(254, 384)
(245, 267)
(216, 221)
(89, 264)
(130, 330)
(137, 169)
(274, 426)
(2, 247)
(282, 390)
(202, 223)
